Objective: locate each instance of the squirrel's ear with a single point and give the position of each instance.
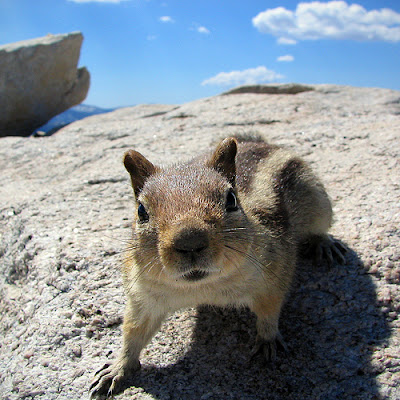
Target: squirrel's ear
(139, 168)
(223, 159)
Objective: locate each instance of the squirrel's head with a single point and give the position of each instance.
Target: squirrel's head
(189, 225)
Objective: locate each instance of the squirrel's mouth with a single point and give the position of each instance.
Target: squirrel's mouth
(195, 275)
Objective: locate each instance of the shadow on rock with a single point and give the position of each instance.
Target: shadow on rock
(331, 322)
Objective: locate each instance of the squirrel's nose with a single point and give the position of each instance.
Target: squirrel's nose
(191, 241)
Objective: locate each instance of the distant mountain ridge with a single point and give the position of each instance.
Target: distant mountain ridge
(71, 115)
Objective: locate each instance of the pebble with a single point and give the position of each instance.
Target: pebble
(77, 351)
(45, 361)
(78, 322)
(28, 354)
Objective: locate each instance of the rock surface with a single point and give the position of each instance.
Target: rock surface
(278, 88)
(65, 211)
(39, 79)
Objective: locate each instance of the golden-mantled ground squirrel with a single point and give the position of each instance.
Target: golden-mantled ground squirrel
(223, 229)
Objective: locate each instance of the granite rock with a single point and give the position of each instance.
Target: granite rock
(39, 79)
(65, 211)
(275, 88)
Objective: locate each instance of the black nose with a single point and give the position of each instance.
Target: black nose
(191, 241)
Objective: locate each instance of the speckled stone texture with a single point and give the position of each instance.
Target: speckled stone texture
(65, 212)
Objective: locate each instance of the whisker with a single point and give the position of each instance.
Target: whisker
(161, 271)
(234, 264)
(263, 269)
(122, 240)
(143, 270)
(258, 265)
(244, 233)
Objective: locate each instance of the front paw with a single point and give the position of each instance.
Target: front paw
(268, 347)
(326, 249)
(108, 380)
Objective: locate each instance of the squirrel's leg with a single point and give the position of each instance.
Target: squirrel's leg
(138, 329)
(267, 309)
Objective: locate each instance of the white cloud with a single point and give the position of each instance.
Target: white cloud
(284, 40)
(286, 58)
(330, 20)
(166, 19)
(246, 77)
(203, 29)
(97, 1)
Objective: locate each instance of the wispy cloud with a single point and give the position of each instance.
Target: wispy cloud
(283, 40)
(166, 19)
(199, 29)
(203, 30)
(98, 1)
(285, 58)
(330, 20)
(249, 76)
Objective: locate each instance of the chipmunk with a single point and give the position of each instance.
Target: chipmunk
(222, 229)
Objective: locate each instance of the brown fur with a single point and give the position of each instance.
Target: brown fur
(222, 231)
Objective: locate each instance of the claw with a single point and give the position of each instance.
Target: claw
(268, 347)
(326, 249)
(106, 365)
(339, 250)
(108, 379)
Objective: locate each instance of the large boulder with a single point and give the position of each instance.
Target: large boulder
(39, 79)
(66, 207)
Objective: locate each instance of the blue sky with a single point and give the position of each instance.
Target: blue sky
(149, 51)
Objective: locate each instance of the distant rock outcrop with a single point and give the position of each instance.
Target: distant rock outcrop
(39, 79)
(278, 88)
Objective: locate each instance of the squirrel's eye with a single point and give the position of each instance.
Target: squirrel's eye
(142, 213)
(231, 201)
